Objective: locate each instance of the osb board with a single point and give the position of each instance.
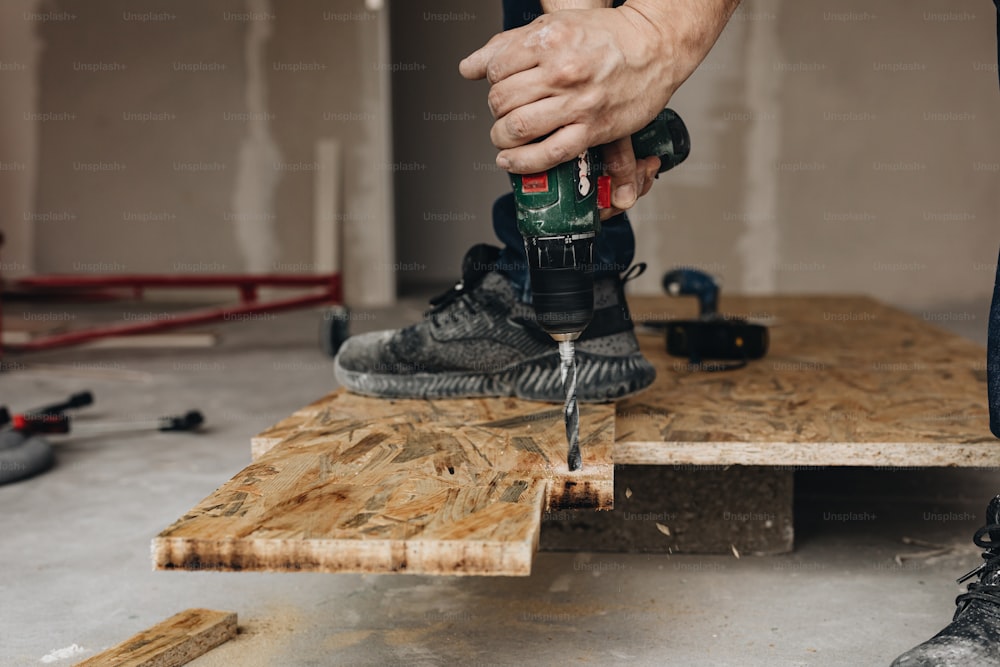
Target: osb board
(531, 436)
(171, 643)
(847, 381)
(367, 485)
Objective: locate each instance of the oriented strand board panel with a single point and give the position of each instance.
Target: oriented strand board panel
(174, 642)
(367, 485)
(531, 435)
(848, 381)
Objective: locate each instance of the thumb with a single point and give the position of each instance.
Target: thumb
(619, 160)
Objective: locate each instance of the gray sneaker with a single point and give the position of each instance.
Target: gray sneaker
(479, 340)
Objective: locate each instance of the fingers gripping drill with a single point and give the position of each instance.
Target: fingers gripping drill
(558, 216)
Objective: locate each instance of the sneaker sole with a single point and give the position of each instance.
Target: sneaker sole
(599, 380)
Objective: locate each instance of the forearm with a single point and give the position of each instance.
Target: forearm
(549, 6)
(683, 31)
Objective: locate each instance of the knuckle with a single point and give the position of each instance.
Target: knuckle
(494, 73)
(590, 102)
(495, 137)
(558, 152)
(566, 73)
(495, 100)
(516, 126)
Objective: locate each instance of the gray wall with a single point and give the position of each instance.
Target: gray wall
(181, 136)
(447, 179)
(852, 149)
(19, 50)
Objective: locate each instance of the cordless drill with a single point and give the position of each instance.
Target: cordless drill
(558, 216)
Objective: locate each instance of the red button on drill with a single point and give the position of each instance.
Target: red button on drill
(535, 182)
(603, 192)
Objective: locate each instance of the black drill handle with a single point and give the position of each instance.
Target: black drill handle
(665, 137)
(189, 421)
(77, 400)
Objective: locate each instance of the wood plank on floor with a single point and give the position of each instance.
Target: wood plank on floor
(360, 484)
(171, 643)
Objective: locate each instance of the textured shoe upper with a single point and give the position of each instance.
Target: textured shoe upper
(479, 325)
(973, 636)
(478, 339)
(473, 330)
(988, 586)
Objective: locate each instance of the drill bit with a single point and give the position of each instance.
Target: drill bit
(571, 409)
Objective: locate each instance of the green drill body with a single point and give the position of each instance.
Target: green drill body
(563, 200)
(559, 217)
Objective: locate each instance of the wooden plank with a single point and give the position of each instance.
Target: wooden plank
(531, 436)
(356, 484)
(847, 381)
(367, 485)
(176, 641)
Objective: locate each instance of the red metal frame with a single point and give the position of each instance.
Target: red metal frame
(328, 291)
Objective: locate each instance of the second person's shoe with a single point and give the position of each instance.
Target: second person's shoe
(972, 639)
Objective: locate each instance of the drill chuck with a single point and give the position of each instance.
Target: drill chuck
(562, 282)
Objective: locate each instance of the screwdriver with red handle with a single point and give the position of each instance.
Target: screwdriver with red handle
(59, 423)
(52, 419)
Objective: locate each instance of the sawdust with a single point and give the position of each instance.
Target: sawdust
(261, 641)
(58, 654)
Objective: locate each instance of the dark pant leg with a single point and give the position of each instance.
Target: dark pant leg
(993, 337)
(993, 359)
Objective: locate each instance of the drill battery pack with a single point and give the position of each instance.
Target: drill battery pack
(716, 339)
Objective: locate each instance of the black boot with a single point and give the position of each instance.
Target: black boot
(973, 636)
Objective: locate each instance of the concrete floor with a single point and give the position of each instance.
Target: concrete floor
(75, 567)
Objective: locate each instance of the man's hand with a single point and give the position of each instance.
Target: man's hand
(590, 77)
(567, 73)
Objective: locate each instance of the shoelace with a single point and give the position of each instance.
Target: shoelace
(443, 299)
(459, 296)
(990, 566)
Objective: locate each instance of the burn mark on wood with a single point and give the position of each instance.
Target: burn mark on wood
(513, 492)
